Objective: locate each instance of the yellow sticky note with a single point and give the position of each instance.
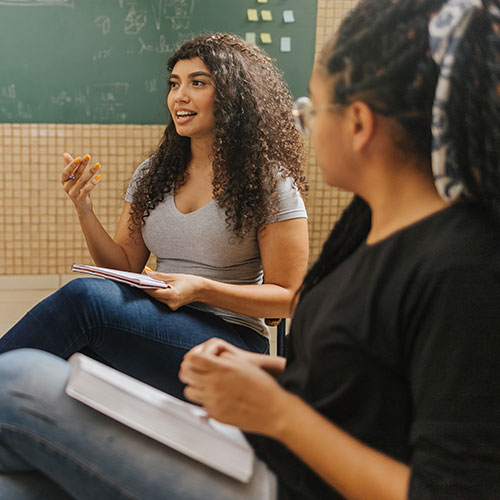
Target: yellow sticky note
(266, 15)
(252, 15)
(265, 38)
(261, 1)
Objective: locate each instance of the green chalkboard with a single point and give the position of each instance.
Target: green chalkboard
(103, 61)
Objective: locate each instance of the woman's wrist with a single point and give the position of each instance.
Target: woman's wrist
(83, 213)
(283, 409)
(203, 287)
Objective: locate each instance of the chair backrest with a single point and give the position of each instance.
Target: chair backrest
(281, 338)
(280, 324)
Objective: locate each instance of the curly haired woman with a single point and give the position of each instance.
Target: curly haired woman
(219, 205)
(390, 389)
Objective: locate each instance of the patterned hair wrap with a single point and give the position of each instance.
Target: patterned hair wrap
(446, 31)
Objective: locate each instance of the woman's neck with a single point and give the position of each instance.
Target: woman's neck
(201, 153)
(400, 198)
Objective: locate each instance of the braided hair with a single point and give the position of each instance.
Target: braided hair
(381, 56)
(255, 137)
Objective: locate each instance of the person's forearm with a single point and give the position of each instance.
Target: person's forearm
(104, 250)
(261, 301)
(357, 471)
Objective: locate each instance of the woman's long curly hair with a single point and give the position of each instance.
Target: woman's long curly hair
(255, 137)
(381, 56)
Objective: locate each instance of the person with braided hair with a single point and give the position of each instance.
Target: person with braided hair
(390, 385)
(219, 205)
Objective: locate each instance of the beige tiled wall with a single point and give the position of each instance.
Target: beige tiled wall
(39, 232)
(325, 204)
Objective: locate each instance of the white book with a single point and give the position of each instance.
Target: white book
(133, 279)
(182, 426)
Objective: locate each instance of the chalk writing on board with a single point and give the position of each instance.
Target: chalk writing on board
(62, 99)
(161, 48)
(66, 98)
(107, 101)
(104, 24)
(80, 97)
(54, 82)
(9, 92)
(101, 102)
(16, 111)
(135, 21)
(10, 107)
(145, 47)
(151, 85)
(102, 54)
(157, 14)
(38, 3)
(177, 13)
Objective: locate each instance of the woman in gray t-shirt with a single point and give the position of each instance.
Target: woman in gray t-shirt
(219, 205)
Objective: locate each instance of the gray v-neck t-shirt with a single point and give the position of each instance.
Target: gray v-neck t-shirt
(200, 243)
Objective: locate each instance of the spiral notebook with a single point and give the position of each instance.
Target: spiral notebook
(133, 279)
(182, 426)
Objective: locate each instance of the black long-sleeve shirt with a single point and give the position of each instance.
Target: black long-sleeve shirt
(400, 347)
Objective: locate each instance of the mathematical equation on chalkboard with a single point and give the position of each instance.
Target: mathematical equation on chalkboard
(103, 61)
(105, 101)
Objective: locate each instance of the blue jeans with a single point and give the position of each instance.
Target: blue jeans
(53, 447)
(124, 328)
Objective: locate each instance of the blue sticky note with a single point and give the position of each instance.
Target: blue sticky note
(288, 16)
(286, 44)
(250, 37)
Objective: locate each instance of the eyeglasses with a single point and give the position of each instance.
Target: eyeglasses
(304, 113)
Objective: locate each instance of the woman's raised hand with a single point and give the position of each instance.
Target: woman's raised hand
(78, 180)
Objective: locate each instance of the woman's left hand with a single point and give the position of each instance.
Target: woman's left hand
(183, 289)
(233, 390)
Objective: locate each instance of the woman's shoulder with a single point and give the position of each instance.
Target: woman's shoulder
(142, 167)
(139, 172)
(469, 223)
(290, 204)
(462, 235)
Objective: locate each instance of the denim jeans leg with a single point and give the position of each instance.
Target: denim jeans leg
(18, 480)
(30, 486)
(125, 328)
(91, 456)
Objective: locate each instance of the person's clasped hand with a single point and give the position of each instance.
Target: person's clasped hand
(232, 389)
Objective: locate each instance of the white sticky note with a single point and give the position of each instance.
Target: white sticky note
(288, 16)
(262, 1)
(266, 15)
(266, 38)
(250, 37)
(286, 44)
(252, 15)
